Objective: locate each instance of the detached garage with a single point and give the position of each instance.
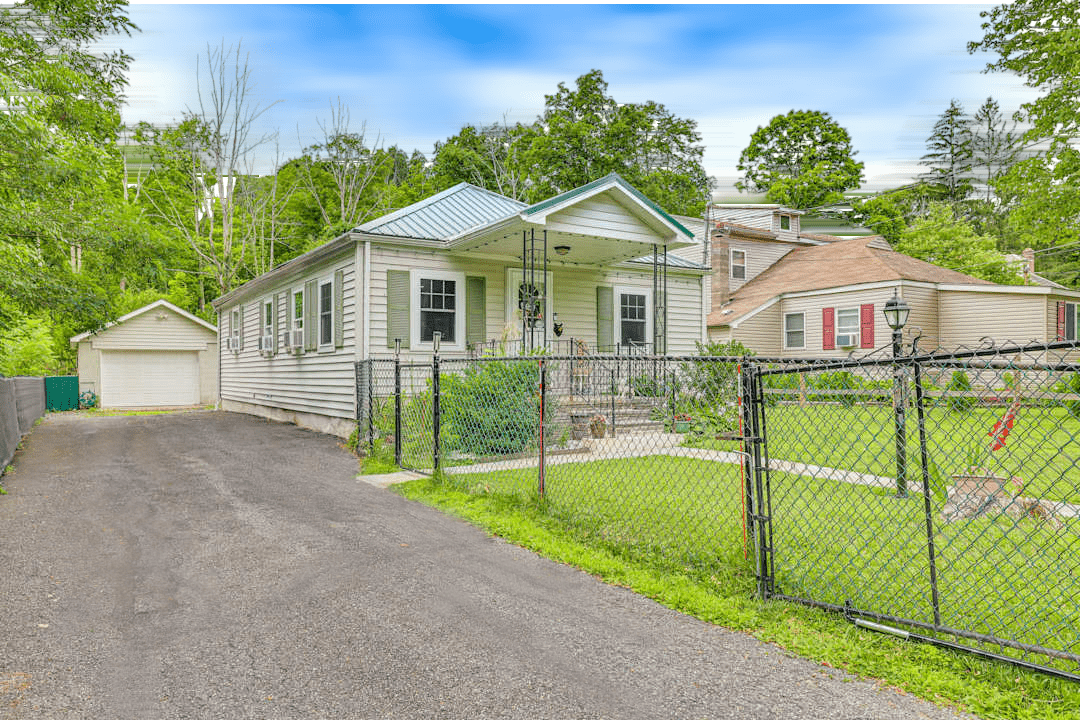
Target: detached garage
(156, 356)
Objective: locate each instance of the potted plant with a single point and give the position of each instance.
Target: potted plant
(598, 426)
(681, 423)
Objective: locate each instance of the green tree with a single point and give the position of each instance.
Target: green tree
(584, 134)
(1039, 40)
(892, 212)
(995, 144)
(802, 159)
(949, 155)
(949, 241)
(489, 156)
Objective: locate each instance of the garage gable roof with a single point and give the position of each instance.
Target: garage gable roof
(145, 309)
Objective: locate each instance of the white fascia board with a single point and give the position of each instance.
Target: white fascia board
(296, 266)
(144, 309)
(676, 236)
(1011, 289)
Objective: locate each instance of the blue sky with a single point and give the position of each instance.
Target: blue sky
(416, 73)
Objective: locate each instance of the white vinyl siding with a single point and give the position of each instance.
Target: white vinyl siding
(573, 297)
(322, 383)
(812, 306)
(923, 319)
(967, 317)
(601, 215)
(761, 333)
(794, 331)
(760, 256)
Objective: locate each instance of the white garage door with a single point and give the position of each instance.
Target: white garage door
(149, 378)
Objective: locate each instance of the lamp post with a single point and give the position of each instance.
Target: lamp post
(896, 315)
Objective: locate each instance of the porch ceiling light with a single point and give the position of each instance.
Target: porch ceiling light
(562, 249)
(896, 312)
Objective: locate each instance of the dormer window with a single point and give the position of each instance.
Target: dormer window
(785, 222)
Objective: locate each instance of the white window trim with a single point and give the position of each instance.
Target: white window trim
(459, 308)
(327, 346)
(513, 279)
(291, 309)
(616, 315)
(236, 326)
(731, 263)
(784, 331)
(857, 335)
(267, 328)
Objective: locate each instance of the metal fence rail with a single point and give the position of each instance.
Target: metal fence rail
(933, 495)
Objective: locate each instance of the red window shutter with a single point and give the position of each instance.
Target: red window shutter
(828, 328)
(866, 325)
(1061, 321)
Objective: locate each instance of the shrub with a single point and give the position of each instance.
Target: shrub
(1071, 385)
(492, 408)
(841, 380)
(959, 383)
(645, 385)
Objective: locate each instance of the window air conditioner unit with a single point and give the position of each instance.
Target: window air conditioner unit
(845, 341)
(266, 343)
(296, 341)
(232, 343)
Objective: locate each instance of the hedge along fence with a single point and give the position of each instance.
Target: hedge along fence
(22, 402)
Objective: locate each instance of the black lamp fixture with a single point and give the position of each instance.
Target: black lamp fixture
(562, 249)
(896, 312)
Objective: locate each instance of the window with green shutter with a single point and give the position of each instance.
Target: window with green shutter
(475, 310)
(397, 307)
(605, 327)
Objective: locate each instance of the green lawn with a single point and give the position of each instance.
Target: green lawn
(833, 541)
(1043, 448)
(722, 591)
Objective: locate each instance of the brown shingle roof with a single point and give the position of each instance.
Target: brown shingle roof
(843, 262)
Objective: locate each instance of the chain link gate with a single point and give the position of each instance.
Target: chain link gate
(931, 496)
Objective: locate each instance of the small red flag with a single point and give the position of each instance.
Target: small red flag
(1001, 428)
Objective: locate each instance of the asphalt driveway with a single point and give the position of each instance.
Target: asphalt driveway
(214, 565)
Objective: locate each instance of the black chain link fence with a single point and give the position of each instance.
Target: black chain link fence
(934, 495)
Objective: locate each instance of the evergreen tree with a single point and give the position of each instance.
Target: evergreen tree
(949, 157)
(995, 144)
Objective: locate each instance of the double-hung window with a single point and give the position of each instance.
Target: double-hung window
(266, 337)
(847, 327)
(298, 309)
(785, 222)
(326, 313)
(795, 331)
(738, 264)
(438, 309)
(1071, 318)
(236, 328)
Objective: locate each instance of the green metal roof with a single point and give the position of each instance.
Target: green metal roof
(607, 179)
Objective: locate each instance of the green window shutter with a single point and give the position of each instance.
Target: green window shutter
(241, 327)
(397, 307)
(311, 333)
(339, 308)
(475, 309)
(605, 324)
(274, 322)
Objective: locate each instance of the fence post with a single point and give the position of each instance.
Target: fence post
(543, 402)
(612, 389)
(928, 510)
(436, 421)
(371, 405)
(397, 402)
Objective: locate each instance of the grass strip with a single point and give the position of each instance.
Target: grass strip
(725, 597)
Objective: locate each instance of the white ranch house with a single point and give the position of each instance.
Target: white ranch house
(485, 271)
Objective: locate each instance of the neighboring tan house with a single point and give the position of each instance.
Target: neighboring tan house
(156, 356)
(468, 263)
(822, 296)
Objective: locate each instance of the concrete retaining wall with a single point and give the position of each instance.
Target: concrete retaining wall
(22, 402)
